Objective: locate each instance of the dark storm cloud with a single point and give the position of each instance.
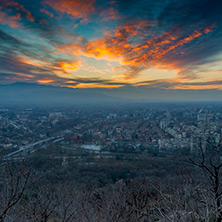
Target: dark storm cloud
(192, 15)
(6, 38)
(137, 10)
(12, 63)
(33, 18)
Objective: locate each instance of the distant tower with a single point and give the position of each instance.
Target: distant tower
(191, 144)
(168, 114)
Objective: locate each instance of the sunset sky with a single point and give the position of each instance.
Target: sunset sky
(161, 44)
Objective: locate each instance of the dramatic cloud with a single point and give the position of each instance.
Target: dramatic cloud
(75, 8)
(20, 9)
(122, 46)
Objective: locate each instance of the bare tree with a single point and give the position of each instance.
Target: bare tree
(40, 203)
(209, 160)
(13, 183)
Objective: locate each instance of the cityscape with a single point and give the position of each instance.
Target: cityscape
(148, 129)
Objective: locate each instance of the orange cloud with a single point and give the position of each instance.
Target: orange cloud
(47, 12)
(68, 67)
(18, 7)
(115, 45)
(110, 48)
(121, 45)
(93, 85)
(158, 54)
(71, 81)
(209, 28)
(110, 14)
(61, 67)
(75, 8)
(33, 62)
(45, 81)
(12, 20)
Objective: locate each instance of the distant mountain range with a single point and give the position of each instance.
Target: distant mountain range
(35, 94)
